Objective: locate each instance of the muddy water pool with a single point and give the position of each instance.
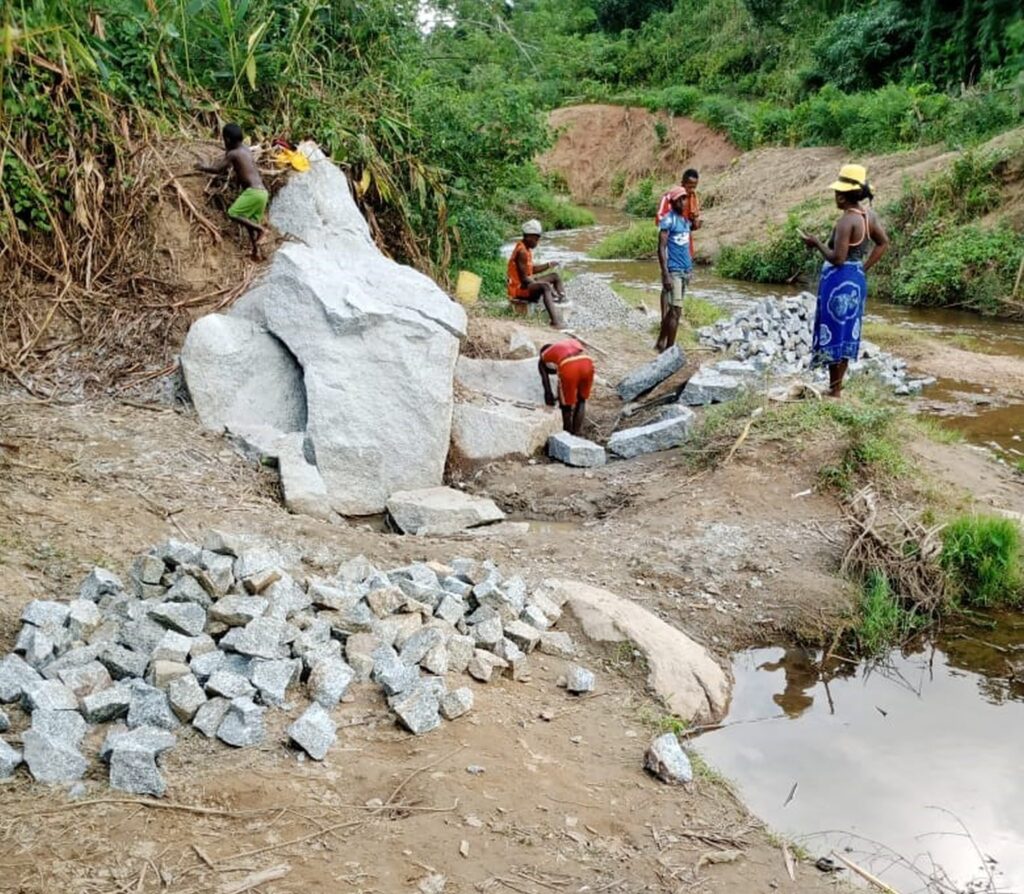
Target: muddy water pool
(972, 409)
(910, 767)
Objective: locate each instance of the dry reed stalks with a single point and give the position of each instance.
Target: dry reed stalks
(906, 551)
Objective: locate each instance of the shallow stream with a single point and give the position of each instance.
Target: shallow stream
(910, 767)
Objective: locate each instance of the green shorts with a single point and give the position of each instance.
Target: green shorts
(250, 205)
(675, 295)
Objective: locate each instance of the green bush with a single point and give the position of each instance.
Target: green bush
(641, 200)
(882, 621)
(639, 240)
(554, 212)
(982, 554)
(780, 259)
(964, 266)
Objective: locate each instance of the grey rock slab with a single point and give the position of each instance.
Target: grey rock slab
(523, 635)
(666, 759)
(10, 760)
(148, 706)
(238, 376)
(142, 634)
(359, 649)
(385, 600)
(66, 727)
(329, 649)
(415, 648)
(175, 553)
(509, 380)
(206, 665)
(396, 677)
(302, 485)
(534, 617)
(107, 704)
(460, 653)
(708, 386)
(45, 613)
(184, 617)
(237, 611)
(148, 569)
(15, 674)
(162, 673)
(338, 598)
(386, 316)
(576, 451)
(556, 642)
(208, 717)
(99, 583)
(264, 638)
(123, 663)
(487, 431)
(451, 608)
(134, 770)
(457, 587)
(5, 722)
(629, 442)
(219, 569)
(547, 606)
(186, 696)
(35, 644)
(229, 685)
(272, 679)
(51, 760)
(646, 377)
(314, 731)
(242, 724)
(49, 695)
(173, 646)
(487, 633)
(188, 589)
(329, 680)
(579, 680)
(85, 679)
(436, 661)
(440, 511)
(456, 703)
(483, 664)
(152, 739)
(418, 709)
(83, 618)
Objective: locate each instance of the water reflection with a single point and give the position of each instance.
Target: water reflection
(888, 758)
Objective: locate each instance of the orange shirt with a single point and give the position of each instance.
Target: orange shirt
(561, 350)
(516, 287)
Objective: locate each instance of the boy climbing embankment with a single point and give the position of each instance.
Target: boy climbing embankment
(250, 206)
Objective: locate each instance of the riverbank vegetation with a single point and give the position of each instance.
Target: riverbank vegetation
(942, 252)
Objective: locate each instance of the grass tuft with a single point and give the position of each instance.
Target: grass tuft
(639, 240)
(883, 621)
(982, 555)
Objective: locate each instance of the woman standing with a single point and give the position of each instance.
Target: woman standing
(842, 289)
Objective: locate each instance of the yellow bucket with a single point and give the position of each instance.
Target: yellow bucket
(467, 287)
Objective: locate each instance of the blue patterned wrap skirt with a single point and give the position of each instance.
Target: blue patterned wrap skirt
(842, 292)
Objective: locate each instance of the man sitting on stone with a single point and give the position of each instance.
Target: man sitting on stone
(575, 380)
(523, 282)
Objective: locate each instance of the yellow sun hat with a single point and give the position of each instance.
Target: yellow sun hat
(851, 178)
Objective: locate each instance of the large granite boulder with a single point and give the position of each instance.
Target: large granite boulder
(339, 342)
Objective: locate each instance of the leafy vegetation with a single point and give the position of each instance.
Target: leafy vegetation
(937, 256)
(883, 621)
(982, 554)
(638, 240)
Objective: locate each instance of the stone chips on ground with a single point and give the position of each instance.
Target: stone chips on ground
(209, 638)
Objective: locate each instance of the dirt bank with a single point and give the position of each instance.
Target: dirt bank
(743, 192)
(602, 145)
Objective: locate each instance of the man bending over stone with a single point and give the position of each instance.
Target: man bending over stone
(575, 380)
(249, 207)
(523, 282)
